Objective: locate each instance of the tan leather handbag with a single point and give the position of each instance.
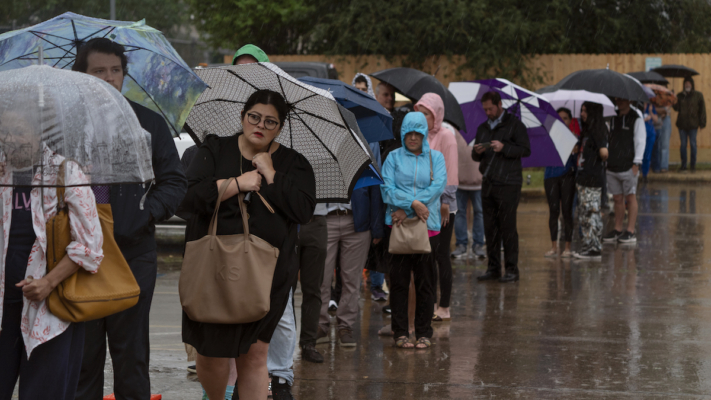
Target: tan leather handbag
(411, 237)
(227, 279)
(84, 296)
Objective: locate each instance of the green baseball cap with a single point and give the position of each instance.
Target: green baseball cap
(251, 50)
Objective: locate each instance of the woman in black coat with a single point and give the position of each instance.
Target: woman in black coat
(252, 161)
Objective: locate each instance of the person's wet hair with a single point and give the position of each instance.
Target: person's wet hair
(565, 110)
(493, 97)
(99, 45)
(361, 79)
(269, 97)
(595, 119)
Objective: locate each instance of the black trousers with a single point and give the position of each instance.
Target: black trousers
(51, 372)
(444, 263)
(129, 345)
(499, 204)
(422, 265)
(560, 190)
(313, 238)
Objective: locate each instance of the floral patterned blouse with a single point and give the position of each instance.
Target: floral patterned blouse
(38, 324)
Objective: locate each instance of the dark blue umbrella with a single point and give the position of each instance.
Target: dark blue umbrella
(374, 120)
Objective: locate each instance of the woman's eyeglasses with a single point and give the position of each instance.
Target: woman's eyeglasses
(255, 119)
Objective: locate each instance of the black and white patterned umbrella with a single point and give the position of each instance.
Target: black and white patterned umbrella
(314, 127)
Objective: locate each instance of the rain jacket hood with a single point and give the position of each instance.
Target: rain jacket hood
(415, 121)
(407, 176)
(370, 83)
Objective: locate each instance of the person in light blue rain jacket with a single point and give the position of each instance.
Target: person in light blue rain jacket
(412, 188)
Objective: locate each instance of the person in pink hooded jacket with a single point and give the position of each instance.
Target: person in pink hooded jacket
(444, 141)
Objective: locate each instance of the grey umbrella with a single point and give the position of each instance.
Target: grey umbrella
(605, 81)
(675, 71)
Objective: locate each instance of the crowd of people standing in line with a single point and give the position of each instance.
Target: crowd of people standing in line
(430, 173)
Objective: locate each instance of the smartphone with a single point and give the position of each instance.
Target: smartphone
(485, 145)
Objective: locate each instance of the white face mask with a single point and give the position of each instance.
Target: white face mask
(687, 89)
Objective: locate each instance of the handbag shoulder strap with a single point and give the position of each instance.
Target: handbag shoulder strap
(60, 185)
(431, 169)
(242, 207)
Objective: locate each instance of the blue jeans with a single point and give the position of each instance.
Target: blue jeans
(691, 136)
(376, 280)
(648, 149)
(280, 357)
(460, 220)
(660, 160)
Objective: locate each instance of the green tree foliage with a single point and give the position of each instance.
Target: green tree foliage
(163, 15)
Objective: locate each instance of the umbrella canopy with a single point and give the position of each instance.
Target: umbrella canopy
(414, 83)
(75, 115)
(314, 126)
(371, 176)
(157, 77)
(649, 77)
(374, 120)
(605, 81)
(574, 99)
(675, 71)
(547, 89)
(551, 141)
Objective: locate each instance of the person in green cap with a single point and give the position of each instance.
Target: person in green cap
(249, 54)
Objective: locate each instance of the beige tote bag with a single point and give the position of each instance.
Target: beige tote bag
(227, 279)
(411, 237)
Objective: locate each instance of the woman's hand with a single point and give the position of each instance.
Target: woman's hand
(250, 181)
(35, 289)
(444, 210)
(263, 163)
(398, 216)
(421, 210)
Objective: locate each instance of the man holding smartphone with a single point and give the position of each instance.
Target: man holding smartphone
(500, 144)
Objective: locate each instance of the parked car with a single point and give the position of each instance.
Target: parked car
(315, 69)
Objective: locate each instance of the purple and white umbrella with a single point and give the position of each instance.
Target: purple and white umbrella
(551, 141)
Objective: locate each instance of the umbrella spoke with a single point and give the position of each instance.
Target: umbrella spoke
(158, 107)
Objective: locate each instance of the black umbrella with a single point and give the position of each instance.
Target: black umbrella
(649, 77)
(675, 71)
(414, 83)
(605, 81)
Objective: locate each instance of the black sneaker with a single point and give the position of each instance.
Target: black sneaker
(611, 236)
(627, 237)
(192, 369)
(281, 391)
(589, 255)
(310, 354)
(387, 309)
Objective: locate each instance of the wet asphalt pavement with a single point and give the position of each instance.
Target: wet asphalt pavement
(635, 326)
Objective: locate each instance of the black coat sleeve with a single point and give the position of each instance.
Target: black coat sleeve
(201, 195)
(519, 146)
(477, 157)
(293, 192)
(170, 184)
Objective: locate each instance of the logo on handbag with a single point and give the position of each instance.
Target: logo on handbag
(232, 273)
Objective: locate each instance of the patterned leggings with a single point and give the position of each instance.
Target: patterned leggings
(589, 217)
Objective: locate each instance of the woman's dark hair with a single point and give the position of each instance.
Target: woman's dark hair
(269, 97)
(493, 97)
(99, 45)
(361, 79)
(595, 121)
(565, 110)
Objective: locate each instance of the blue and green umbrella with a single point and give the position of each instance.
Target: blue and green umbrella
(157, 77)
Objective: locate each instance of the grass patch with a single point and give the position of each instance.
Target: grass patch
(536, 181)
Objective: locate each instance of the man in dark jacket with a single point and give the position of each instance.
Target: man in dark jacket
(500, 144)
(136, 209)
(692, 116)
